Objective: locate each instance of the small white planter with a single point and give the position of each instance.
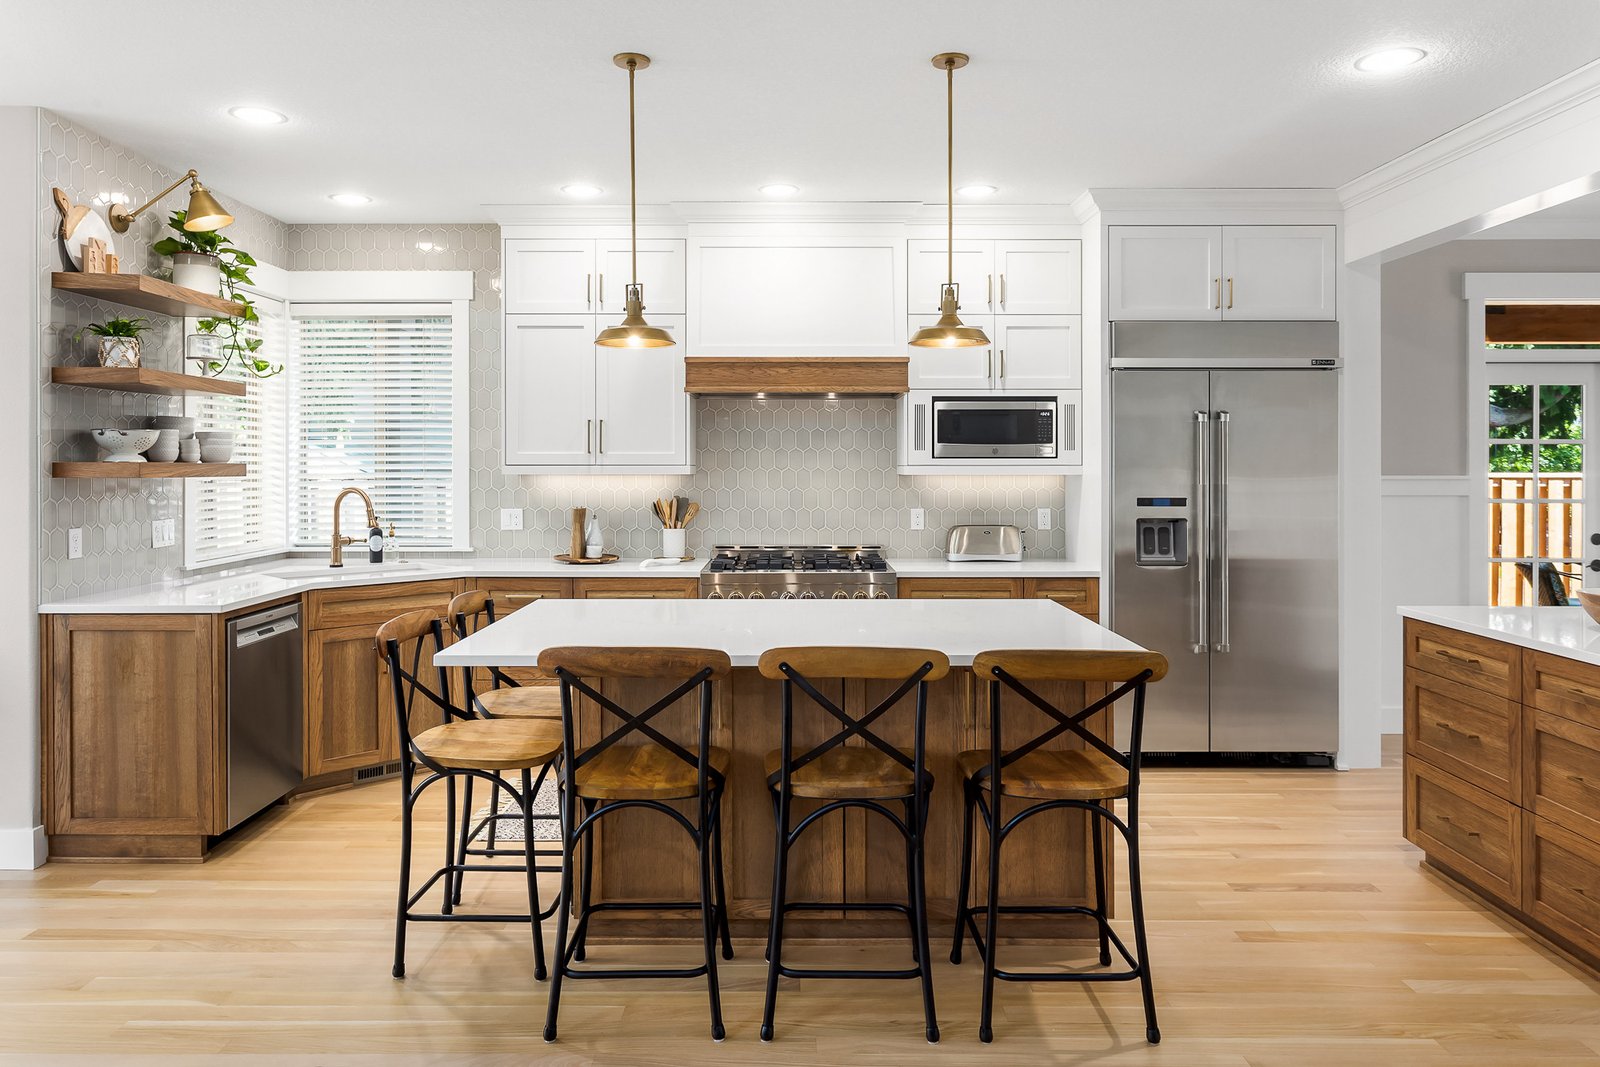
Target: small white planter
(119, 351)
(197, 271)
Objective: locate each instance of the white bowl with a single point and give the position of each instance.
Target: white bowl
(216, 453)
(124, 446)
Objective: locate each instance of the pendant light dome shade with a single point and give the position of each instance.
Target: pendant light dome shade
(633, 331)
(949, 331)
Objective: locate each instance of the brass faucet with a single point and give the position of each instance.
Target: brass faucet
(336, 559)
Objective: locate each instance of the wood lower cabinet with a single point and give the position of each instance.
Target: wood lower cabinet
(1077, 594)
(1502, 778)
(959, 589)
(636, 588)
(513, 594)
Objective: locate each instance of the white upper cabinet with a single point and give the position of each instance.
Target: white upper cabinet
(1278, 272)
(642, 412)
(927, 271)
(797, 296)
(1038, 277)
(549, 390)
(1222, 272)
(661, 272)
(1034, 352)
(1166, 272)
(952, 368)
(544, 277)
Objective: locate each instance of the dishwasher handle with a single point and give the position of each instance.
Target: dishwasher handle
(256, 628)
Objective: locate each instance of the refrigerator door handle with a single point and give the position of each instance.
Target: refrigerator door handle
(1201, 621)
(1221, 540)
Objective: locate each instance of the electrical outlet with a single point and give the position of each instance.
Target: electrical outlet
(75, 543)
(1044, 519)
(163, 533)
(510, 518)
(919, 519)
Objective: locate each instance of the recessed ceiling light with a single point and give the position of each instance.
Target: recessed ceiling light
(780, 189)
(583, 190)
(1388, 60)
(350, 199)
(974, 191)
(258, 116)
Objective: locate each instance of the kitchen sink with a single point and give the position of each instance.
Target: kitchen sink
(350, 571)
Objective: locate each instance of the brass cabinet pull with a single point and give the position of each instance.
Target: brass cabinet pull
(602, 450)
(1002, 290)
(588, 438)
(1447, 654)
(989, 373)
(514, 597)
(1230, 294)
(588, 290)
(603, 290)
(1002, 364)
(1216, 303)
(990, 298)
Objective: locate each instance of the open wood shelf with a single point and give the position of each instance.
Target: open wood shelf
(147, 470)
(145, 293)
(143, 380)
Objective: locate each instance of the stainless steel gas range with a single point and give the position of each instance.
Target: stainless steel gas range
(804, 572)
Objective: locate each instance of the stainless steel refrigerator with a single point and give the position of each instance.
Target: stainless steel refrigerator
(1224, 529)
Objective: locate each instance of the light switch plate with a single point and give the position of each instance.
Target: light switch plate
(75, 543)
(163, 533)
(510, 518)
(1044, 519)
(919, 519)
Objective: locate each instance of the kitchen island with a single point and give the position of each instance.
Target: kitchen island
(847, 857)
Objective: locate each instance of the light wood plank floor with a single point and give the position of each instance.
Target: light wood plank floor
(1291, 925)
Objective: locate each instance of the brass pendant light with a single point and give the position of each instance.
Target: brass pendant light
(634, 332)
(949, 332)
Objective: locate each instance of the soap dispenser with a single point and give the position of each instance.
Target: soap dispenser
(375, 543)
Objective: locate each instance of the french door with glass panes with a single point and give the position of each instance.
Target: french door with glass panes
(1542, 532)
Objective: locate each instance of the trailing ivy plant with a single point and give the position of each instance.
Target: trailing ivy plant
(234, 263)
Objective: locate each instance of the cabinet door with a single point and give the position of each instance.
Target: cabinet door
(549, 389)
(347, 704)
(548, 277)
(958, 589)
(1278, 272)
(635, 588)
(927, 270)
(951, 368)
(1038, 352)
(1038, 277)
(661, 272)
(1166, 272)
(642, 412)
(1081, 595)
(798, 296)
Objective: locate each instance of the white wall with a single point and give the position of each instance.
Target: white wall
(21, 832)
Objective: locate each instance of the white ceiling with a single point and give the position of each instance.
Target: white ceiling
(437, 108)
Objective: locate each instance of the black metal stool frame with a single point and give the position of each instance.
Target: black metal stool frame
(407, 684)
(469, 829)
(706, 834)
(911, 827)
(985, 940)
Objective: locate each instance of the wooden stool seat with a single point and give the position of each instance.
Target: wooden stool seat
(846, 773)
(521, 702)
(492, 744)
(1071, 775)
(643, 772)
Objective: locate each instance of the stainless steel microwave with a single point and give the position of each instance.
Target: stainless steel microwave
(990, 427)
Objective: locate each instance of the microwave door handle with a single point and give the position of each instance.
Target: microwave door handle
(1201, 618)
(1221, 488)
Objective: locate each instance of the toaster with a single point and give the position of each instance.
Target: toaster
(971, 544)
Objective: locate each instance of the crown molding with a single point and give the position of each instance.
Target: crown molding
(1084, 207)
(682, 213)
(1219, 200)
(1533, 228)
(1542, 104)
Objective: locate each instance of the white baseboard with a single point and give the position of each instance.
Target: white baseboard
(1392, 719)
(22, 849)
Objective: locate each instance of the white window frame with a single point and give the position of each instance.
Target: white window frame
(1481, 290)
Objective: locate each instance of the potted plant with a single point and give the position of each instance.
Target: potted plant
(119, 340)
(227, 267)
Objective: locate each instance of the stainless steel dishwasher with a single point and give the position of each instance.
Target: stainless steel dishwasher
(265, 710)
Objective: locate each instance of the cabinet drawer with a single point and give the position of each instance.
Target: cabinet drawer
(1491, 666)
(1080, 594)
(1562, 686)
(1465, 731)
(1561, 772)
(1469, 830)
(636, 588)
(959, 588)
(509, 594)
(1563, 883)
(374, 605)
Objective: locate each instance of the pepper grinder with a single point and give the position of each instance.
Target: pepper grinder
(578, 516)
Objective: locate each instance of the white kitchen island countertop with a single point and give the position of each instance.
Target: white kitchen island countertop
(746, 628)
(1559, 631)
(219, 592)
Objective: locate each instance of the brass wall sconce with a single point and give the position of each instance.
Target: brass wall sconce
(203, 216)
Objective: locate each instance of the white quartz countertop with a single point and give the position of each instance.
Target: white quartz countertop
(1559, 631)
(744, 629)
(243, 587)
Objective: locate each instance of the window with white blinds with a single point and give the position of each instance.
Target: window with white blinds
(377, 399)
(228, 519)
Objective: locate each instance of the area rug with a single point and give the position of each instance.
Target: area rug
(545, 802)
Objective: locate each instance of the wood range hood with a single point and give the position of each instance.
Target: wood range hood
(770, 376)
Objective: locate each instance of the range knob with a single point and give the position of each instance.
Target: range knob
(808, 595)
(861, 594)
(755, 594)
(713, 595)
(736, 595)
(880, 595)
(787, 596)
(840, 594)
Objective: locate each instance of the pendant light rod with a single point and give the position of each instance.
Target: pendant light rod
(950, 62)
(632, 62)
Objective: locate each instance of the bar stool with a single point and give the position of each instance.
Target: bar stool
(1087, 779)
(505, 698)
(855, 777)
(605, 777)
(459, 748)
